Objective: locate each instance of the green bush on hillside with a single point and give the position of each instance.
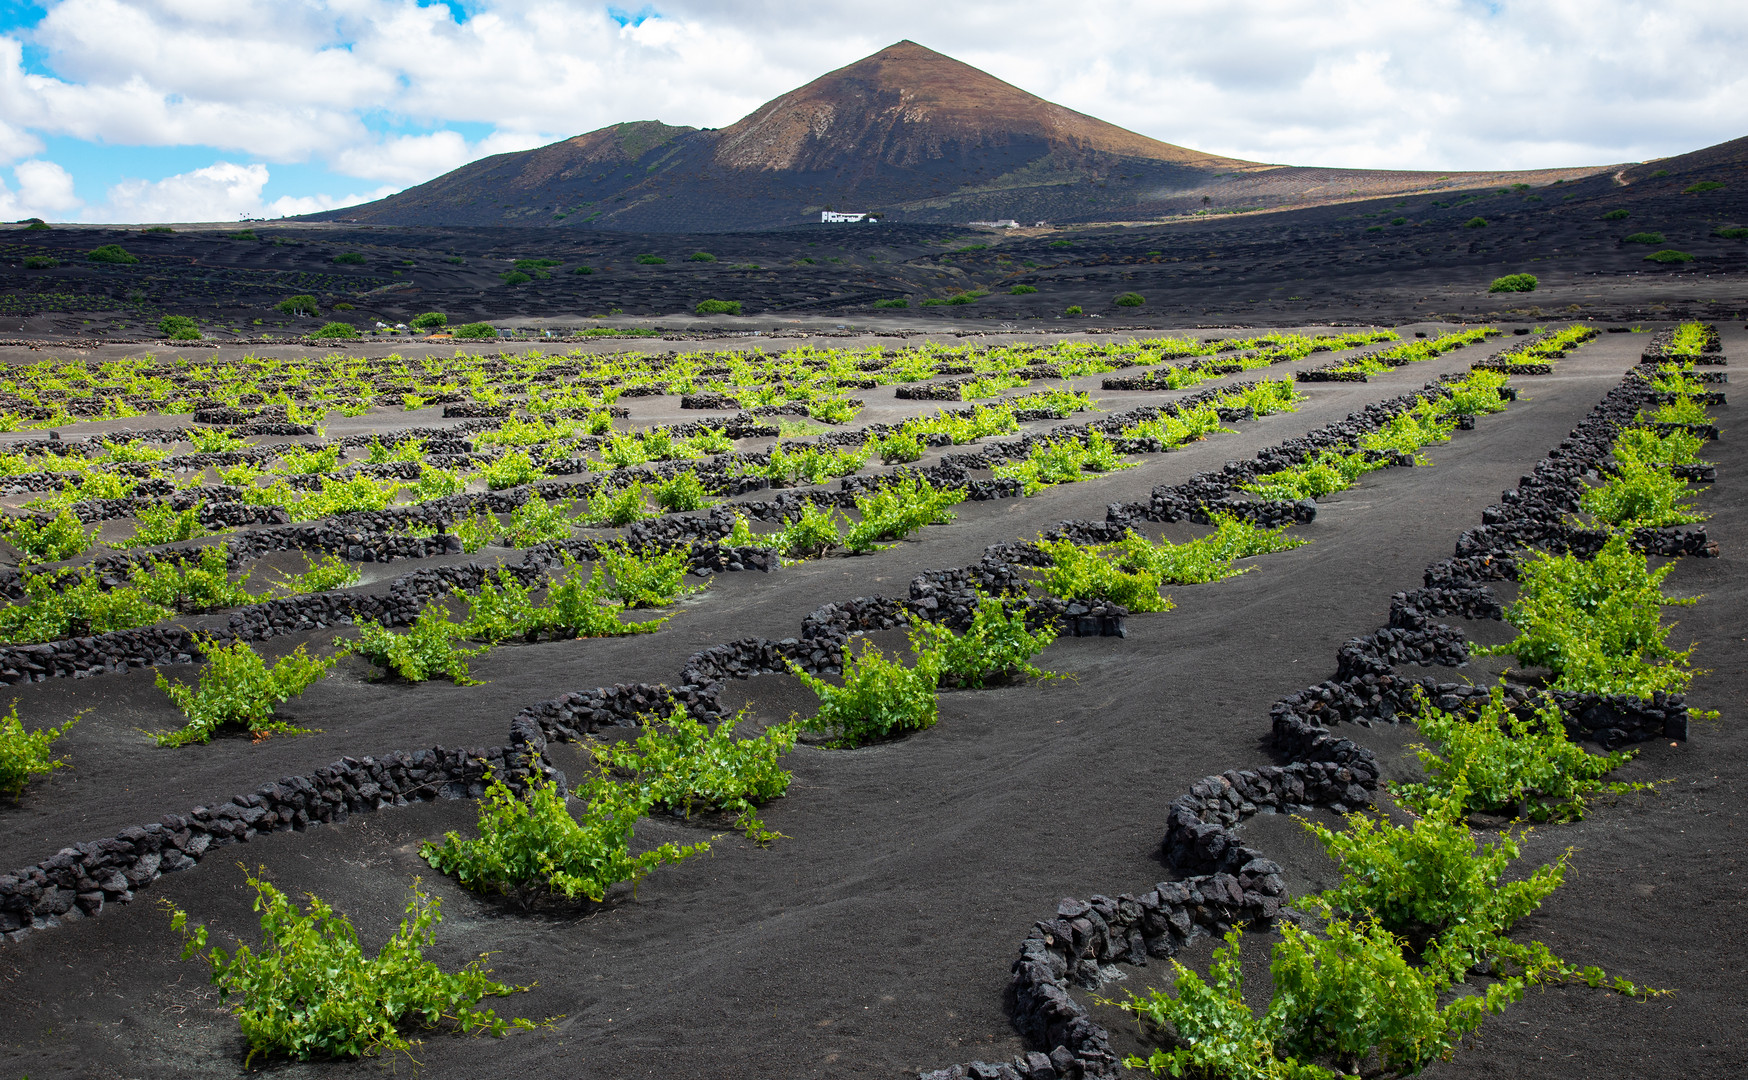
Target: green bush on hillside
(110, 253)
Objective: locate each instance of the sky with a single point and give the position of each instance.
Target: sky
(218, 110)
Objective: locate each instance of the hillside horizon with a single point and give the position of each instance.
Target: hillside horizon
(907, 132)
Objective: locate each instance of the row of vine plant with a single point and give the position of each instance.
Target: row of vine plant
(1391, 968)
(531, 846)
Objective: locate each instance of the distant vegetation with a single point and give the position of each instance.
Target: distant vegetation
(1060, 244)
(582, 270)
(302, 304)
(1476, 222)
(718, 307)
(349, 258)
(1514, 283)
(1129, 299)
(1617, 215)
(336, 330)
(430, 320)
(1737, 232)
(40, 262)
(179, 328)
(110, 253)
(1668, 255)
(1073, 310)
(515, 277)
(1023, 290)
(701, 256)
(650, 260)
(1643, 238)
(1702, 187)
(476, 330)
(157, 229)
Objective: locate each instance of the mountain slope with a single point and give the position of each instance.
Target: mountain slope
(907, 131)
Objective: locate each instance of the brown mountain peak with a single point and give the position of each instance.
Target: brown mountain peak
(907, 105)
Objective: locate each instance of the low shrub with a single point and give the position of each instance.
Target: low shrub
(813, 533)
(879, 698)
(311, 993)
(1737, 232)
(430, 320)
(344, 306)
(900, 447)
(1060, 244)
(325, 574)
(515, 277)
(1073, 309)
(301, 304)
(1476, 222)
(37, 225)
(833, 410)
(179, 328)
(40, 262)
(892, 302)
(1077, 573)
(1669, 255)
(537, 521)
(1514, 283)
(111, 253)
(650, 260)
(615, 507)
(60, 538)
(680, 492)
(701, 256)
(1643, 238)
(1062, 461)
(237, 687)
(1638, 496)
(718, 307)
(1343, 998)
(1702, 187)
(1328, 472)
(532, 847)
(684, 766)
(513, 469)
(424, 651)
(896, 511)
(1616, 215)
(1596, 623)
(1204, 560)
(24, 754)
(1022, 290)
(336, 330)
(477, 331)
(161, 523)
(1477, 394)
(1644, 448)
(1423, 880)
(645, 579)
(1129, 299)
(1494, 761)
(476, 529)
(996, 645)
(350, 258)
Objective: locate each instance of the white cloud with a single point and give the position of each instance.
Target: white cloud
(45, 190)
(369, 87)
(223, 191)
